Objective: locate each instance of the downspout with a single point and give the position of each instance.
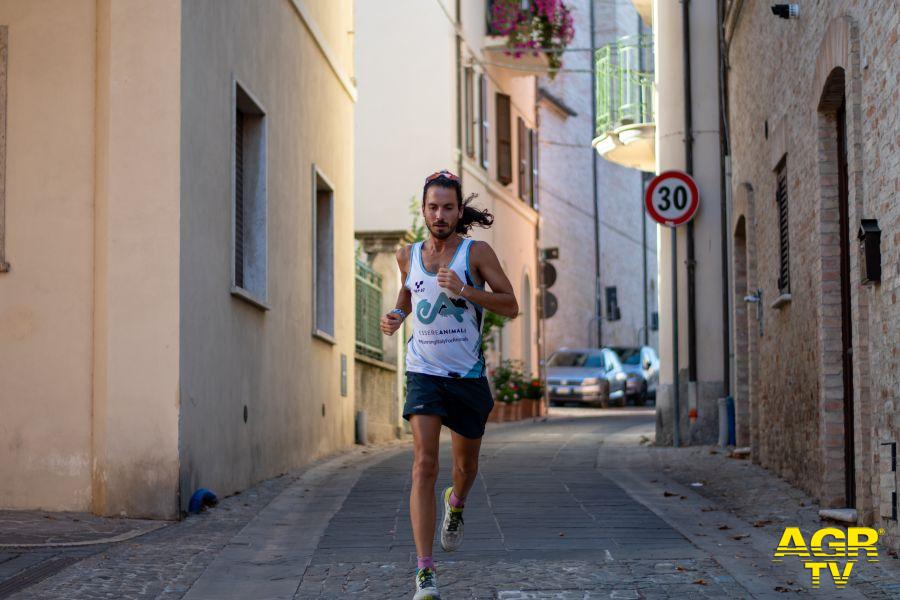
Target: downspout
(598, 307)
(644, 180)
(459, 98)
(689, 168)
(724, 152)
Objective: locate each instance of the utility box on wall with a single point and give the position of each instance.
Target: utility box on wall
(869, 251)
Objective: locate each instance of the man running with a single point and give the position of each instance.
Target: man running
(444, 289)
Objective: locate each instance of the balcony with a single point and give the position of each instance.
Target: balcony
(626, 128)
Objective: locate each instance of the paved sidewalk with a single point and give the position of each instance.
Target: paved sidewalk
(576, 507)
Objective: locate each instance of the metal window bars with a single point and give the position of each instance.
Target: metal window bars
(368, 312)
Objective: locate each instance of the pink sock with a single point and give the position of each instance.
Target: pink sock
(425, 562)
(456, 502)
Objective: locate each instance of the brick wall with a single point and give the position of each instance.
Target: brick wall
(782, 79)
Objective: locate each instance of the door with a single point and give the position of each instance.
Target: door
(846, 312)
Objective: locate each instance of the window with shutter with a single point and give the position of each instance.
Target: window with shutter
(323, 258)
(504, 139)
(483, 117)
(249, 246)
(781, 198)
(239, 198)
(470, 123)
(533, 161)
(522, 157)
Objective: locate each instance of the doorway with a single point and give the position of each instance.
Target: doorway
(846, 310)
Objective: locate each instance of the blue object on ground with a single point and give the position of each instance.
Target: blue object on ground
(729, 403)
(201, 499)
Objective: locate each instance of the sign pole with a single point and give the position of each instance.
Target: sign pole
(676, 385)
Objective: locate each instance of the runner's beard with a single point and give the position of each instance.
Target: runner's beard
(442, 235)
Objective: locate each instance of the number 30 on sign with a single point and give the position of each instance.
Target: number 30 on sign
(672, 198)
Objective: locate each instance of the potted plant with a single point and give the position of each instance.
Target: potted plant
(509, 385)
(533, 29)
(533, 393)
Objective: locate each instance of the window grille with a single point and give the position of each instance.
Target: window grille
(368, 311)
(781, 198)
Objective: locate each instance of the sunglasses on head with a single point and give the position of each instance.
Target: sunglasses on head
(445, 174)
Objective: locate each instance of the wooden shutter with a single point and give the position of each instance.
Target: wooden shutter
(469, 99)
(239, 198)
(784, 272)
(483, 116)
(522, 157)
(533, 161)
(504, 139)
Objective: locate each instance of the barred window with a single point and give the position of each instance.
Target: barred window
(781, 199)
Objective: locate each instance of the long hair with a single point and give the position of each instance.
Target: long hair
(471, 216)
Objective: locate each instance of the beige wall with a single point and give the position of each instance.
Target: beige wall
(45, 299)
(405, 116)
(89, 312)
(235, 354)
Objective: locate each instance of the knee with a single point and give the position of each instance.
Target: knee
(425, 469)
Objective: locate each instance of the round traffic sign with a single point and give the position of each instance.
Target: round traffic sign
(548, 274)
(672, 198)
(550, 305)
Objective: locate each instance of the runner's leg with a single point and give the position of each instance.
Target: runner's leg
(426, 438)
(465, 464)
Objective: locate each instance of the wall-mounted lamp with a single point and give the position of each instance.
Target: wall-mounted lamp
(869, 251)
(786, 11)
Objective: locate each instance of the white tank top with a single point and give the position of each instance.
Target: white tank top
(446, 328)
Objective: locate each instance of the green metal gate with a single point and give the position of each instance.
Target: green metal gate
(368, 311)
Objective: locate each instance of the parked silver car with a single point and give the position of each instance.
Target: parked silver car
(641, 366)
(587, 375)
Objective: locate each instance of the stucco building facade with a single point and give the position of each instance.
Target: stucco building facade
(178, 207)
(815, 159)
(627, 277)
(432, 97)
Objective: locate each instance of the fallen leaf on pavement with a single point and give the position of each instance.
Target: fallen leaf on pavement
(667, 493)
(724, 527)
(781, 589)
(708, 508)
(700, 582)
(740, 536)
(762, 523)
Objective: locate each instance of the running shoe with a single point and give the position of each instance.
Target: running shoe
(426, 585)
(451, 525)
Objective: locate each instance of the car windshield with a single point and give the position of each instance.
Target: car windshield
(576, 359)
(629, 356)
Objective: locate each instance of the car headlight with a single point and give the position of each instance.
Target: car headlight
(590, 381)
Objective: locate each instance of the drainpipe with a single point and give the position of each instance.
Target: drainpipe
(724, 152)
(598, 307)
(459, 99)
(645, 179)
(689, 167)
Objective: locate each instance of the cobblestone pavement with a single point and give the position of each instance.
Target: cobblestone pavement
(576, 507)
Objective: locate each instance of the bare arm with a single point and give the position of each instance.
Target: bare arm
(391, 321)
(501, 298)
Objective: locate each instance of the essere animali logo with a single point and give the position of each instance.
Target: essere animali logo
(831, 550)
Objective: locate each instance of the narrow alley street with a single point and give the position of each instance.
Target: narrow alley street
(580, 506)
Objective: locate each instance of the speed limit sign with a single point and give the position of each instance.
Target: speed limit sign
(672, 198)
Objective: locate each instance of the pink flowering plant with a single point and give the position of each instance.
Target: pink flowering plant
(509, 382)
(543, 25)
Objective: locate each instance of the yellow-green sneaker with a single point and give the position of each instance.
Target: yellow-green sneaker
(426, 585)
(451, 525)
